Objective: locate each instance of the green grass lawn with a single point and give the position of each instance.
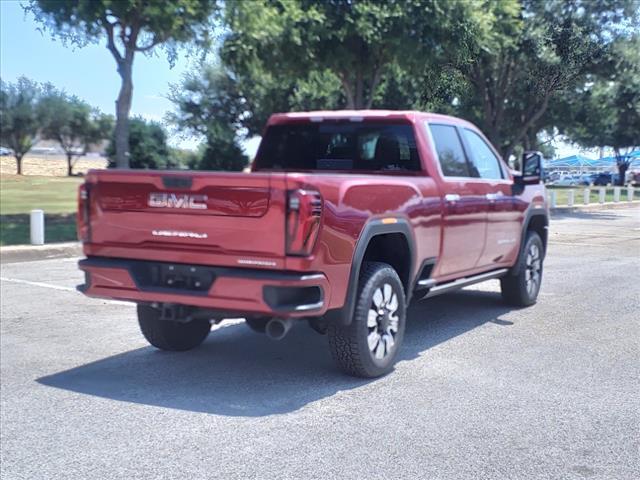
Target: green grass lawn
(57, 196)
(21, 194)
(562, 195)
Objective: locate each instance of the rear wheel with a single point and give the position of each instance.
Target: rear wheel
(522, 289)
(368, 347)
(171, 335)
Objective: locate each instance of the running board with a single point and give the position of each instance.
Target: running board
(464, 282)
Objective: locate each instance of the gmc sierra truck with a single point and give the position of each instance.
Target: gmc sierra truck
(344, 219)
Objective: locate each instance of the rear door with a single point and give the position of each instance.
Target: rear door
(465, 204)
(503, 219)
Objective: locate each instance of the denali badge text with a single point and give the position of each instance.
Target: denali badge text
(177, 200)
(176, 233)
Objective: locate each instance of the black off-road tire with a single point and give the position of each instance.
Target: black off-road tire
(349, 344)
(170, 335)
(516, 289)
(258, 324)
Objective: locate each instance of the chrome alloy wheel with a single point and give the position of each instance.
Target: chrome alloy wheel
(533, 273)
(382, 321)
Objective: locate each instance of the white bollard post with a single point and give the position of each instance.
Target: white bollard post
(630, 193)
(616, 194)
(37, 227)
(586, 196)
(602, 194)
(552, 199)
(570, 198)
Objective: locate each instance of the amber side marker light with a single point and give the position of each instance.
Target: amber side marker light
(387, 221)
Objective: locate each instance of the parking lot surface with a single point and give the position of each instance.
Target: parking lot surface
(482, 390)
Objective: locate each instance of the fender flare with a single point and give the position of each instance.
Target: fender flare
(531, 214)
(373, 228)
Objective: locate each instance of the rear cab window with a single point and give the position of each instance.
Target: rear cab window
(339, 146)
(451, 155)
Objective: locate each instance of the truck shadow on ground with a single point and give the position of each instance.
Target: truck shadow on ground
(237, 372)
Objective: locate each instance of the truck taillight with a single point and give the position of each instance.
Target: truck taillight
(83, 220)
(304, 209)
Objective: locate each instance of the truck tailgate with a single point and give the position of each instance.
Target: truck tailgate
(233, 215)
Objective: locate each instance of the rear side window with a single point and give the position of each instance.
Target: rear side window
(485, 163)
(450, 153)
(339, 146)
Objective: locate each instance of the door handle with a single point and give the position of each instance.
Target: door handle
(493, 196)
(452, 197)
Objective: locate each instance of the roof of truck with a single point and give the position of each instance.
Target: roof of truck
(358, 115)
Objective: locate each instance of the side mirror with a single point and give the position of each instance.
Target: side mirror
(531, 172)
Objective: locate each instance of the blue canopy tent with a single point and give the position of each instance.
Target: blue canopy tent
(579, 162)
(610, 162)
(574, 162)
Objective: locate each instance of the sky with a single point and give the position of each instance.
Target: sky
(90, 72)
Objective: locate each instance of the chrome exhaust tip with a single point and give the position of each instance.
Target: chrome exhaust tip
(277, 328)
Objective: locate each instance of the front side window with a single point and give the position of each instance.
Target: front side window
(484, 163)
(339, 145)
(453, 161)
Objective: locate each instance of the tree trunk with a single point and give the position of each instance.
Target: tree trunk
(623, 165)
(123, 107)
(622, 173)
(19, 164)
(69, 165)
(359, 103)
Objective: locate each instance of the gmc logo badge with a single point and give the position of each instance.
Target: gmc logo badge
(177, 200)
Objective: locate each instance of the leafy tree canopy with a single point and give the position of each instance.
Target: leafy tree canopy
(506, 65)
(538, 52)
(147, 146)
(73, 123)
(20, 116)
(209, 105)
(604, 111)
(348, 49)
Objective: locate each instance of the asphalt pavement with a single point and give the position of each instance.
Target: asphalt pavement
(482, 390)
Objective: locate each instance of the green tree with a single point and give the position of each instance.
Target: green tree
(604, 111)
(182, 157)
(210, 106)
(147, 146)
(537, 51)
(355, 44)
(220, 154)
(19, 117)
(129, 27)
(74, 124)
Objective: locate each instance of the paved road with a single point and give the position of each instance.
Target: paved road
(482, 391)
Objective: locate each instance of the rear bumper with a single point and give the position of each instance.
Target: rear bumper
(233, 290)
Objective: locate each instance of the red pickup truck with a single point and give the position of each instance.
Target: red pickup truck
(344, 219)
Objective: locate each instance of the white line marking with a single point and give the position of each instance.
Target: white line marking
(227, 322)
(38, 284)
(56, 287)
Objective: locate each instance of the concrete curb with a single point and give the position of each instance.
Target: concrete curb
(29, 253)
